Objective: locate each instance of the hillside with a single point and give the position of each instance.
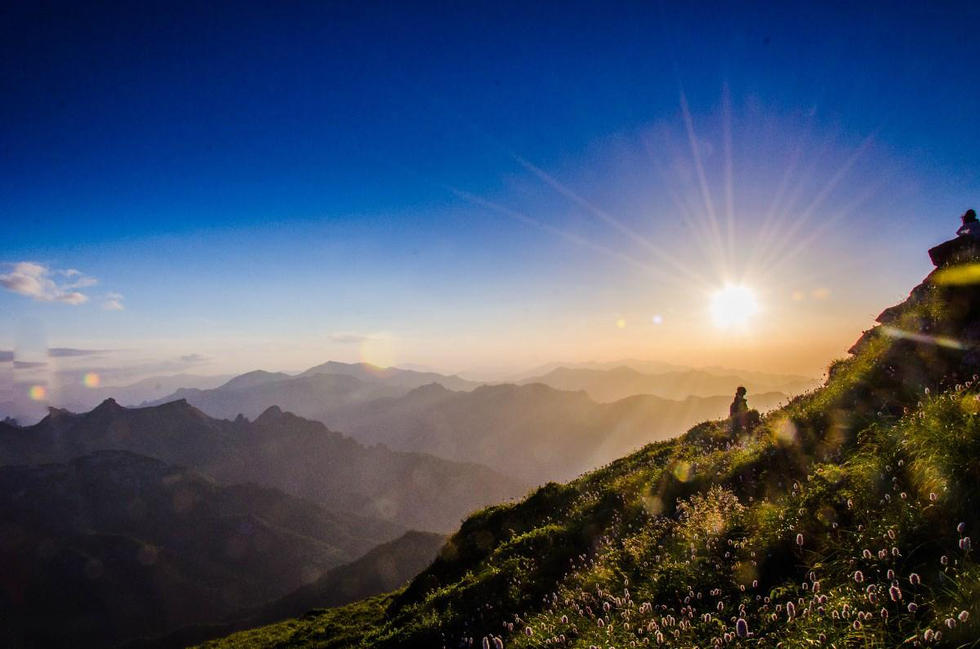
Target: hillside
(844, 519)
(297, 456)
(115, 545)
(485, 425)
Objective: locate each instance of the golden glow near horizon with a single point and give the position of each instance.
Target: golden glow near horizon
(38, 393)
(733, 306)
(91, 380)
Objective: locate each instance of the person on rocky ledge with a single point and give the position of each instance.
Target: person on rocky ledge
(970, 227)
(965, 247)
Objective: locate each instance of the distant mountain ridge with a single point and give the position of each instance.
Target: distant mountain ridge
(613, 384)
(313, 393)
(392, 376)
(533, 432)
(278, 449)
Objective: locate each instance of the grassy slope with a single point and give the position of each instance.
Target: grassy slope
(833, 524)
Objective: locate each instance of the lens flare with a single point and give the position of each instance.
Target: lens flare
(733, 306)
(91, 380)
(38, 393)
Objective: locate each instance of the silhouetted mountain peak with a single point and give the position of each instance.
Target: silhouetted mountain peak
(59, 413)
(108, 406)
(273, 415)
(178, 408)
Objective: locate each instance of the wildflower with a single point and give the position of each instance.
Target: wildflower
(742, 628)
(928, 635)
(799, 539)
(858, 576)
(933, 497)
(950, 622)
(914, 579)
(944, 560)
(857, 625)
(961, 528)
(790, 610)
(895, 593)
(964, 616)
(913, 607)
(965, 544)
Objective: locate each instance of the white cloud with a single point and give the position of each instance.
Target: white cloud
(35, 281)
(113, 302)
(72, 297)
(349, 338)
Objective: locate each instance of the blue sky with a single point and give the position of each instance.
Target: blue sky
(477, 185)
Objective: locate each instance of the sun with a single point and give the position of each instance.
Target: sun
(733, 306)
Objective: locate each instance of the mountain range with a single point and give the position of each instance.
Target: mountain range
(115, 545)
(534, 433)
(485, 423)
(280, 450)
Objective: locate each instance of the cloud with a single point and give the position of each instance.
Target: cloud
(73, 297)
(65, 352)
(348, 338)
(6, 356)
(36, 281)
(194, 358)
(113, 302)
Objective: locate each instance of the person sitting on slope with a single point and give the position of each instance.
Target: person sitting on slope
(738, 412)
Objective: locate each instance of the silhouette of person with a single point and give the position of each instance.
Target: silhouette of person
(738, 412)
(970, 227)
(965, 247)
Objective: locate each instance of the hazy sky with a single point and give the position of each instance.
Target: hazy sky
(474, 186)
